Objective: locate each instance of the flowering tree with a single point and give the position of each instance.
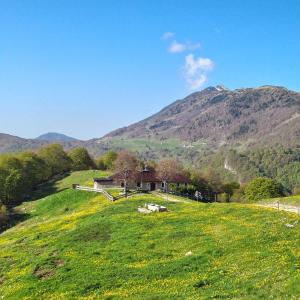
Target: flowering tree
(167, 170)
(126, 165)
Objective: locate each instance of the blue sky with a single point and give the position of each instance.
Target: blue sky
(84, 68)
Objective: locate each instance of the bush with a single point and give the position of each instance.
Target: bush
(262, 188)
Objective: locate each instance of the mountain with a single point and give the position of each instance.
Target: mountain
(11, 143)
(209, 119)
(219, 116)
(55, 137)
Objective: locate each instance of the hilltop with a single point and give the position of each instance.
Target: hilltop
(11, 143)
(219, 116)
(55, 137)
(78, 245)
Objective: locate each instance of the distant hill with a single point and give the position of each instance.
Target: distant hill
(54, 137)
(11, 143)
(219, 116)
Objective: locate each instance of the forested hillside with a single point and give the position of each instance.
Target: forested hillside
(279, 163)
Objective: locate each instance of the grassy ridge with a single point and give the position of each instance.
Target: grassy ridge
(78, 245)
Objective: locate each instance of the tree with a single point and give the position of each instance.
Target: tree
(81, 160)
(167, 170)
(56, 158)
(262, 188)
(3, 214)
(214, 181)
(11, 179)
(13, 187)
(296, 190)
(229, 189)
(125, 166)
(3, 175)
(100, 164)
(35, 170)
(106, 161)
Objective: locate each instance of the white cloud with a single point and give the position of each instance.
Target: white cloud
(168, 35)
(177, 47)
(196, 70)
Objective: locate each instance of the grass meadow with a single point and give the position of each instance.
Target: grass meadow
(79, 245)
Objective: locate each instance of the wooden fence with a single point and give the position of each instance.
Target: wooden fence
(95, 190)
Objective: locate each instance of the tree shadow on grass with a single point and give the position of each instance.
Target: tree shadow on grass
(17, 215)
(48, 188)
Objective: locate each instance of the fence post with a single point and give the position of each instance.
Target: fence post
(278, 206)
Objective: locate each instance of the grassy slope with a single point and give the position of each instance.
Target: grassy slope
(291, 200)
(78, 245)
(57, 185)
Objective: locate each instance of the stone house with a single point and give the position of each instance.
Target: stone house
(145, 180)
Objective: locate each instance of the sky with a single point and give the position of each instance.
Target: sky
(85, 68)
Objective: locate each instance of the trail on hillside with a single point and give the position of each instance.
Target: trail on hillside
(169, 197)
(286, 207)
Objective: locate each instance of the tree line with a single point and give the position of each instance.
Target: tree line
(22, 173)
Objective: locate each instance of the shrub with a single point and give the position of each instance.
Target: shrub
(262, 188)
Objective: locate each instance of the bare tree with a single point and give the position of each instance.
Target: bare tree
(126, 166)
(167, 170)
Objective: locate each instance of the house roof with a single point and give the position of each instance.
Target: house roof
(103, 179)
(145, 176)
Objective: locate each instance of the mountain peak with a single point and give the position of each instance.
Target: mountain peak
(217, 88)
(55, 137)
(217, 116)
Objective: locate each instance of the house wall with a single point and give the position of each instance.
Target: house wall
(146, 186)
(131, 185)
(98, 185)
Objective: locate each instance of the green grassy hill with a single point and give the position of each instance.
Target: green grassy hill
(78, 245)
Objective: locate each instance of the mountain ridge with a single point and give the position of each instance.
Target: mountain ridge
(216, 115)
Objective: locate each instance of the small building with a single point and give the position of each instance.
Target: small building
(145, 180)
(104, 182)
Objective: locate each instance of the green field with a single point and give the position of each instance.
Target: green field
(65, 182)
(78, 245)
(155, 148)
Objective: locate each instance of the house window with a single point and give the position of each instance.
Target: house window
(162, 184)
(138, 184)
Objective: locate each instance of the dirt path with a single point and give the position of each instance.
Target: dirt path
(169, 197)
(285, 207)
